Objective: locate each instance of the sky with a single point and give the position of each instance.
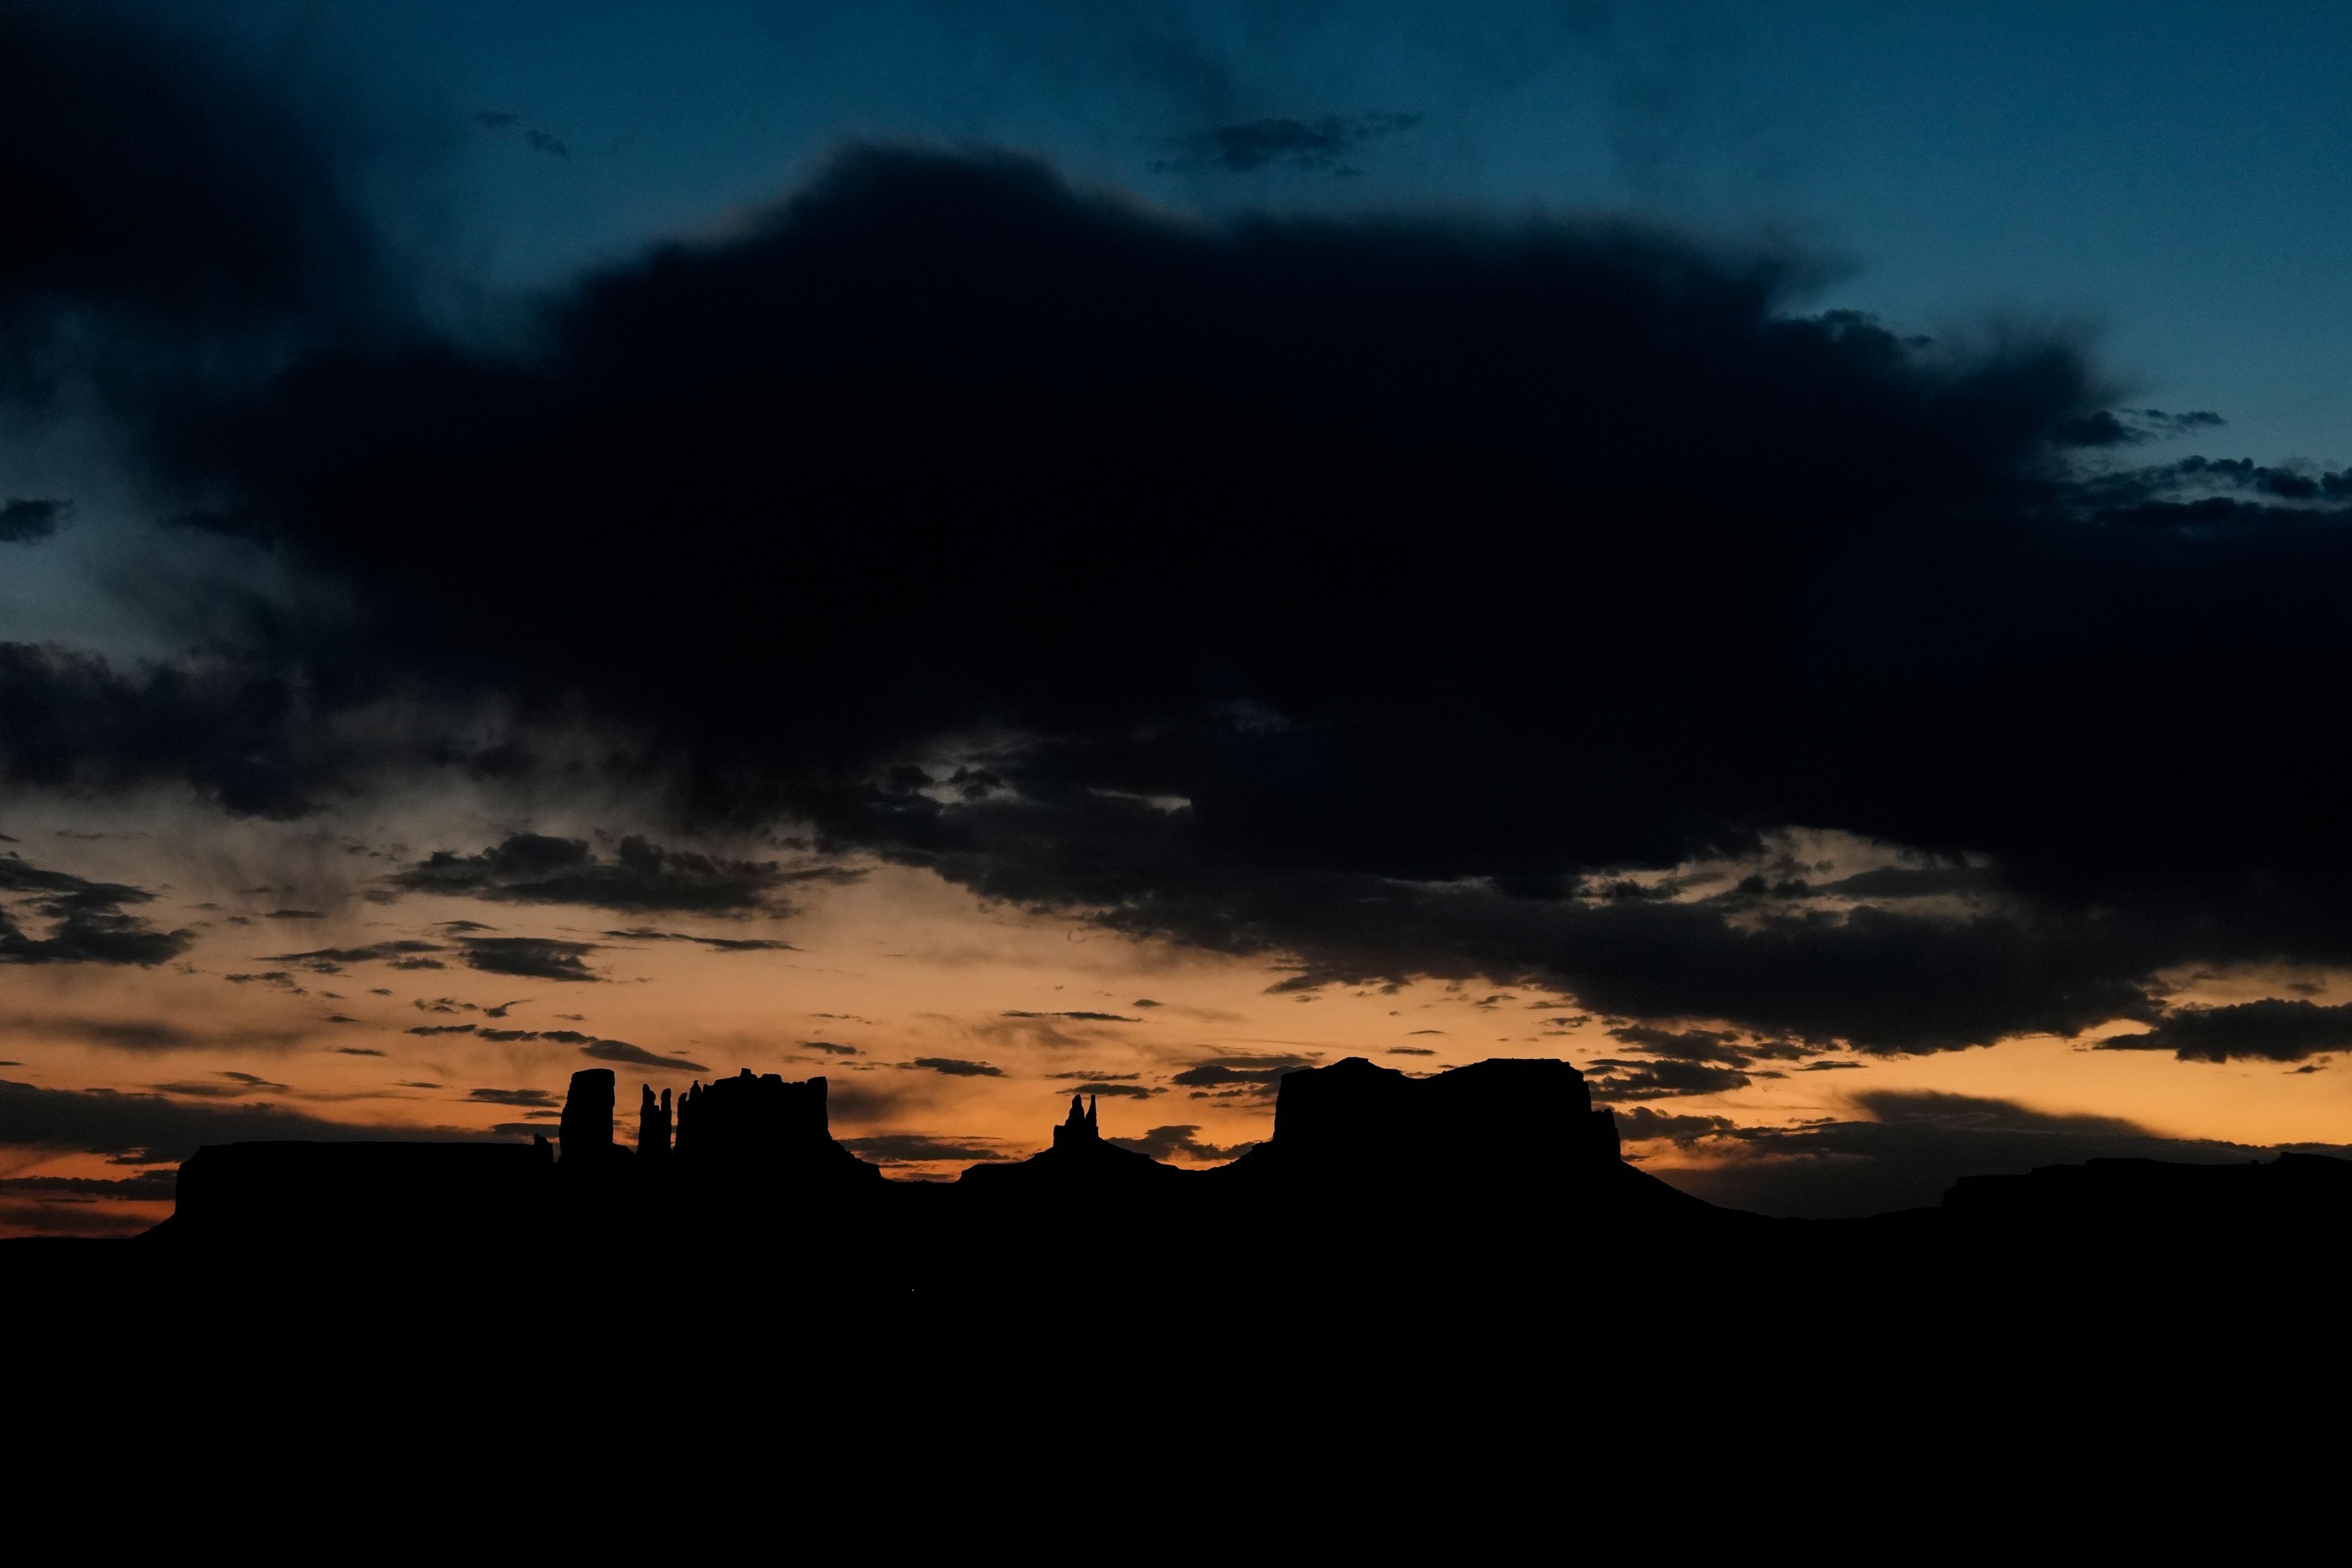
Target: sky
(1791, 558)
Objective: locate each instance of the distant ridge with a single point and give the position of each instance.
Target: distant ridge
(1500, 1176)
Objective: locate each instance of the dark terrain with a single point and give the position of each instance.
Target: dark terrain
(1497, 1183)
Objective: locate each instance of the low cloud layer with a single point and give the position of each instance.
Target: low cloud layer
(636, 877)
(86, 922)
(529, 957)
(154, 1129)
(2273, 1030)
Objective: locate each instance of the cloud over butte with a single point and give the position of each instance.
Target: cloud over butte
(1500, 558)
(1563, 607)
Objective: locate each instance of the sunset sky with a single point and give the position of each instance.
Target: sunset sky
(1794, 559)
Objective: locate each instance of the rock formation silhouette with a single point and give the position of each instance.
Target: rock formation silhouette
(764, 1131)
(1079, 1163)
(1081, 1126)
(1375, 1185)
(653, 1124)
(1503, 1120)
(587, 1128)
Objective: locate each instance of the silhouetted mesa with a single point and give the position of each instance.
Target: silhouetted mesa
(1510, 1128)
(762, 1130)
(2290, 1180)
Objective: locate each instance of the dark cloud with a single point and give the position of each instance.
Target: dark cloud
(1084, 1017)
(723, 943)
(1179, 1143)
(635, 1056)
(1615, 1080)
(451, 1005)
(29, 521)
(146, 1186)
(207, 214)
(830, 1048)
(590, 1045)
(154, 1129)
(955, 1067)
(1683, 1045)
(356, 1051)
(538, 1096)
(1874, 578)
(1910, 882)
(531, 957)
(2131, 427)
(239, 1084)
(1113, 1090)
(1888, 978)
(640, 877)
(153, 1035)
(1685, 1061)
(87, 921)
(325, 959)
(1637, 1123)
(245, 731)
(2270, 1030)
(1909, 1146)
(1236, 1077)
(1322, 145)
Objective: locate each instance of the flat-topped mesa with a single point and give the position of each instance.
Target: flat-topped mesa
(1513, 1119)
(761, 1125)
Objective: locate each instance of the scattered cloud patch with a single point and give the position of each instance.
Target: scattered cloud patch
(87, 922)
(529, 1097)
(1080, 1017)
(530, 957)
(722, 943)
(638, 877)
(1322, 145)
(29, 521)
(955, 1067)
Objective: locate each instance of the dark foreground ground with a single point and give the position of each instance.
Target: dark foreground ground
(1405, 1290)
